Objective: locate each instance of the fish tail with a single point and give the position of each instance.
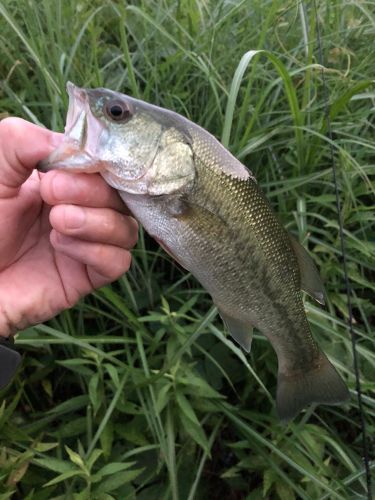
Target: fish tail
(321, 384)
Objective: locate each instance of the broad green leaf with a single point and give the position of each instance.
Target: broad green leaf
(284, 491)
(106, 439)
(71, 404)
(94, 392)
(115, 467)
(75, 458)
(113, 373)
(64, 476)
(134, 431)
(42, 447)
(55, 464)
(195, 431)
(117, 480)
(268, 481)
(94, 456)
(163, 396)
(186, 407)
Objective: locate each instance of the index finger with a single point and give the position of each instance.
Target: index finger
(88, 190)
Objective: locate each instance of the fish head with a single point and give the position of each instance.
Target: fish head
(137, 147)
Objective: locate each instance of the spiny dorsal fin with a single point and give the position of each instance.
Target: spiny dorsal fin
(311, 282)
(241, 332)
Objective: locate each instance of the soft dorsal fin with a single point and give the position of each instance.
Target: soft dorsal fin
(311, 281)
(241, 332)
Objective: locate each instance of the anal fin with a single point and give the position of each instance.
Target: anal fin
(241, 332)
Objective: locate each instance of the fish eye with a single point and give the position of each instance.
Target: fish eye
(117, 111)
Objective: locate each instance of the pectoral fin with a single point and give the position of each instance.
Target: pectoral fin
(311, 282)
(241, 332)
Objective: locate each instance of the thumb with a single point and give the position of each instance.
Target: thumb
(22, 145)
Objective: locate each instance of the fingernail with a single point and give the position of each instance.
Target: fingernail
(74, 217)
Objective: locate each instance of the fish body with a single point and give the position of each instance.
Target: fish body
(207, 210)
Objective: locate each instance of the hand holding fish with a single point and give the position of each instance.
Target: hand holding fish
(61, 235)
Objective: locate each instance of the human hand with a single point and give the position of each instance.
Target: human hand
(61, 235)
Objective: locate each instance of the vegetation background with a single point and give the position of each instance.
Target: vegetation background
(137, 392)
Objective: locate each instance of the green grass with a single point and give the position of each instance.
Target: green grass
(137, 392)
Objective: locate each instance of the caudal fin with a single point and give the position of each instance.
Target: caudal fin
(322, 384)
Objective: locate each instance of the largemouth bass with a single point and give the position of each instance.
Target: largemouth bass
(207, 211)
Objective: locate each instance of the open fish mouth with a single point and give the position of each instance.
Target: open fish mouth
(82, 135)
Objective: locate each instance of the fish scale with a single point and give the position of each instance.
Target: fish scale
(254, 257)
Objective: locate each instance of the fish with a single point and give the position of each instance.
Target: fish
(206, 209)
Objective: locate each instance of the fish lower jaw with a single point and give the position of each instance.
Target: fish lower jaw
(71, 158)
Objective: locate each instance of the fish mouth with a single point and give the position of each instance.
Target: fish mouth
(82, 134)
